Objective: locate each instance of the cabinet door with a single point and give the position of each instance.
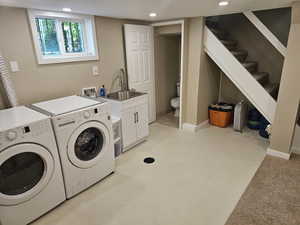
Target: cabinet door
(142, 121)
(129, 127)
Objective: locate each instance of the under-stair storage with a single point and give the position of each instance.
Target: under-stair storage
(242, 73)
(251, 62)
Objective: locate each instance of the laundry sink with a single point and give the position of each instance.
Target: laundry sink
(124, 95)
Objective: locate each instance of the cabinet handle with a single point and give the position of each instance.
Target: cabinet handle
(137, 117)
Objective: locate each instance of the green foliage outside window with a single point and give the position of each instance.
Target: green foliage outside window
(72, 37)
(48, 36)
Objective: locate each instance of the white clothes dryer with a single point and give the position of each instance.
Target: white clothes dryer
(84, 135)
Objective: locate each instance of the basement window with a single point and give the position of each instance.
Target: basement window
(63, 37)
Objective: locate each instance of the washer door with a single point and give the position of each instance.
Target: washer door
(87, 144)
(25, 170)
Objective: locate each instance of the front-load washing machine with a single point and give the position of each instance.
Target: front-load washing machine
(83, 130)
(31, 181)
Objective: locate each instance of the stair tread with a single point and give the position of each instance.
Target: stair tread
(260, 75)
(249, 63)
(270, 87)
(229, 42)
(218, 31)
(239, 52)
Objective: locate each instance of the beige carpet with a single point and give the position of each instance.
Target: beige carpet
(273, 195)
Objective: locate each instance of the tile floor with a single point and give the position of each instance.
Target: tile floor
(168, 119)
(197, 179)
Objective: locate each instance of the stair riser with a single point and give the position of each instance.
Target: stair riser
(263, 81)
(241, 58)
(220, 35)
(230, 46)
(251, 69)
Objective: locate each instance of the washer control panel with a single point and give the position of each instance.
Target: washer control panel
(20, 133)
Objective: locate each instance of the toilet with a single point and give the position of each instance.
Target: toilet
(175, 102)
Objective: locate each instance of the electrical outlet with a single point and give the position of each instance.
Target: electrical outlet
(95, 70)
(14, 66)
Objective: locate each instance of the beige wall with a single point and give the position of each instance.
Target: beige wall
(208, 86)
(202, 76)
(37, 82)
(289, 95)
(195, 48)
(167, 69)
(2, 104)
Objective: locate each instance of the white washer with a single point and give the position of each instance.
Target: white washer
(84, 135)
(31, 181)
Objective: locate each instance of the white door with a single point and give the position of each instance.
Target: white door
(129, 127)
(140, 62)
(142, 121)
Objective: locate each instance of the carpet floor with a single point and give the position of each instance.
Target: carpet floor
(273, 195)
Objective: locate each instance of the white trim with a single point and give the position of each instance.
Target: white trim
(180, 22)
(173, 22)
(266, 32)
(278, 154)
(296, 150)
(89, 31)
(194, 128)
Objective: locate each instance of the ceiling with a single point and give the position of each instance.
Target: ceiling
(140, 9)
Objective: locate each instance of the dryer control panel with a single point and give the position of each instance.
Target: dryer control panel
(19, 134)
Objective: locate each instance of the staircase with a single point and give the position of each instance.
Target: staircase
(254, 84)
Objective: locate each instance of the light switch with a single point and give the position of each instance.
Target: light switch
(95, 70)
(14, 66)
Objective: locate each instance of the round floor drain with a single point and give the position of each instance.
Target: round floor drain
(149, 160)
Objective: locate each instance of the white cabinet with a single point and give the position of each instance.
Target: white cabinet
(142, 121)
(134, 119)
(129, 130)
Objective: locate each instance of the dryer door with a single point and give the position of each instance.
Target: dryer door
(88, 144)
(25, 170)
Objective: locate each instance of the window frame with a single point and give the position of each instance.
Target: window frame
(89, 37)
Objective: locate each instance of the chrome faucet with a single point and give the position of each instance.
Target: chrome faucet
(123, 80)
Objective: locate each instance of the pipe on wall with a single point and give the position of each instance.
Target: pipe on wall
(6, 81)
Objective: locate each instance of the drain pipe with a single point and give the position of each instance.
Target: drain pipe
(7, 84)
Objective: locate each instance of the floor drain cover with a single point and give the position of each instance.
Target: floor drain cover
(149, 160)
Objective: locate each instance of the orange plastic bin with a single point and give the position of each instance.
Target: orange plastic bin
(221, 115)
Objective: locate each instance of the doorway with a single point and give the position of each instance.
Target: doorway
(167, 76)
(168, 46)
(141, 68)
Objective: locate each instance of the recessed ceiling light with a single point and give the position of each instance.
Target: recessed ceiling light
(67, 9)
(152, 14)
(223, 3)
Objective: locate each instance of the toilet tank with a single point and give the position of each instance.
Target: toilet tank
(178, 88)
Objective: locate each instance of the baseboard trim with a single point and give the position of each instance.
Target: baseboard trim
(194, 128)
(296, 150)
(278, 154)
